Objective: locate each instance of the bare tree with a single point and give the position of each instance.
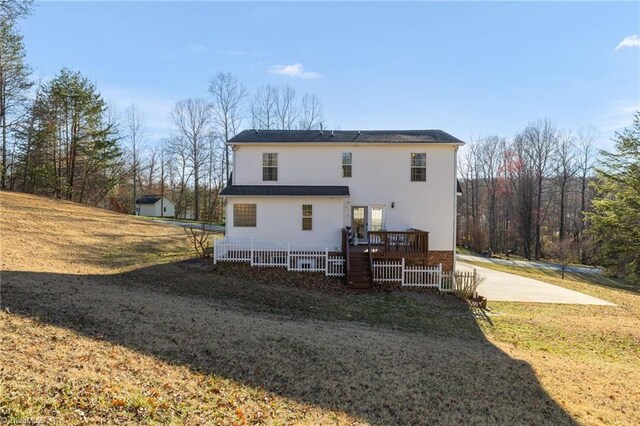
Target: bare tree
(228, 96)
(585, 157)
(153, 156)
(192, 119)
(286, 108)
(178, 171)
(564, 252)
(586, 150)
(264, 108)
(311, 117)
(134, 125)
(539, 139)
(565, 170)
(524, 183)
(489, 153)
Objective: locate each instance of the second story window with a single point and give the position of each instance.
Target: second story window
(270, 166)
(346, 164)
(307, 217)
(418, 167)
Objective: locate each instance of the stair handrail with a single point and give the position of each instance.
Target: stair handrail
(345, 249)
(370, 262)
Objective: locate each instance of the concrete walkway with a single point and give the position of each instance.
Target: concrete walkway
(505, 287)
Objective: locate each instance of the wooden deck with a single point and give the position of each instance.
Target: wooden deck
(381, 245)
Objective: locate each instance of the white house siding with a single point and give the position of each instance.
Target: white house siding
(279, 219)
(169, 206)
(381, 176)
(146, 210)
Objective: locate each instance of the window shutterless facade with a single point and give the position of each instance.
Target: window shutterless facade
(419, 167)
(307, 217)
(346, 164)
(269, 166)
(244, 215)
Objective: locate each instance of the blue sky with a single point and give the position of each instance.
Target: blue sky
(472, 69)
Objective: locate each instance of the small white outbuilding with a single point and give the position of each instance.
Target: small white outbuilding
(155, 205)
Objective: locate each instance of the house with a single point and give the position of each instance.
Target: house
(155, 205)
(366, 194)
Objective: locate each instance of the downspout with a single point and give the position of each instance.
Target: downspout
(455, 204)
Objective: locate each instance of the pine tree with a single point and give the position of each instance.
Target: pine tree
(74, 152)
(615, 220)
(14, 76)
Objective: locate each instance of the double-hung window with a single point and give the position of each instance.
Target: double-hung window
(269, 166)
(307, 217)
(244, 215)
(418, 167)
(346, 164)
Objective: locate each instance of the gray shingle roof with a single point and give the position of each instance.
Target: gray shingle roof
(148, 199)
(286, 190)
(344, 136)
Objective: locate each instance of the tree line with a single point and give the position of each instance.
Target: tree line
(61, 138)
(549, 193)
(518, 192)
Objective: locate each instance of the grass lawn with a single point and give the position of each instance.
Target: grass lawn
(105, 318)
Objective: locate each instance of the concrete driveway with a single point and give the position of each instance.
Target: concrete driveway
(505, 287)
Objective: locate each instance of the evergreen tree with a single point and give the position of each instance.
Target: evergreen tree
(73, 145)
(615, 220)
(14, 76)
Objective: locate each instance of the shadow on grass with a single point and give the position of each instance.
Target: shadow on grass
(400, 358)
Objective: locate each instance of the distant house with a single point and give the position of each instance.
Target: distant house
(155, 205)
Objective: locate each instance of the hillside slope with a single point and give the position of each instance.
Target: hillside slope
(41, 234)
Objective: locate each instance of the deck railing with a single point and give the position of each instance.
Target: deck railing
(411, 244)
(294, 258)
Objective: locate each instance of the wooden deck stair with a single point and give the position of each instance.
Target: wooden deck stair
(359, 276)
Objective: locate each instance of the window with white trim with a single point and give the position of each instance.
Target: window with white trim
(418, 167)
(244, 215)
(270, 166)
(347, 159)
(307, 217)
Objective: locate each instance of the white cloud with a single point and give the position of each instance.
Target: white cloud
(629, 41)
(293, 70)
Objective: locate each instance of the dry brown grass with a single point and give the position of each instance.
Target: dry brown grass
(97, 331)
(47, 235)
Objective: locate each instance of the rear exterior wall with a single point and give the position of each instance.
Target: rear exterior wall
(380, 177)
